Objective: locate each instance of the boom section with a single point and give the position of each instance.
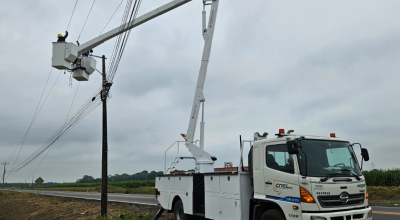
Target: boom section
(208, 35)
(204, 161)
(129, 25)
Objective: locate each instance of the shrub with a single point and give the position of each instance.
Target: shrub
(390, 177)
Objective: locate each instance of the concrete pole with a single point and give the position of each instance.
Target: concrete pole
(104, 159)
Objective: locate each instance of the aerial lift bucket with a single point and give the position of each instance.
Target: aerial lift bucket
(63, 55)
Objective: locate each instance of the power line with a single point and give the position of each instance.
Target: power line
(72, 101)
(88, 107)
(33, 118)
(21, 144)
(86, 19)
(72, 15)
(118, 40)
(117, 58)
(92, 103)
(111, 17)
(64, 123)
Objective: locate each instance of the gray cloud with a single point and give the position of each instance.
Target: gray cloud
(312, 66)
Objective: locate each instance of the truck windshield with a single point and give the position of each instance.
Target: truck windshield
(328, 158)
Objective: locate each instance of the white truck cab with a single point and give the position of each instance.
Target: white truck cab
(308, 177)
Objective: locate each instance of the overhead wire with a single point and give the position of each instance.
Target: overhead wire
(117, 58)
(86, 20)
(72, 101)
(64, 123)
(39, 163)
(57, 77)
(91, 103)
(72, 15)
(60, 72)
(118, 39)
(34, 114)
(81, 113)
(34, 118)
(111, 17)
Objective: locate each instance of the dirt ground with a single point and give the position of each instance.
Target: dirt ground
(26, 206)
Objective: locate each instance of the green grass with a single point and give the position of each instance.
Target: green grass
(140, 190)
(383, 195)
(390, 177)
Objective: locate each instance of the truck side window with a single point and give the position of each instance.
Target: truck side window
(278, 158)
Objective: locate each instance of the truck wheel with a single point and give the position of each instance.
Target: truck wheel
(273, 214)
(178, 211)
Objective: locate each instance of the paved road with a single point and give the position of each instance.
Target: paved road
(385, 213)
(113, 197)
(379, 212)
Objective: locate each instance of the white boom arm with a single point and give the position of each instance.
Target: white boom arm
(204, 162)
(127, 26)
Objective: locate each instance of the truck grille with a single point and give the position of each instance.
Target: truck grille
(348, 217)
(335, 201)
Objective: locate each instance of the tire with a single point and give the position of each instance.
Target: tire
(179, 213)
(272, 214)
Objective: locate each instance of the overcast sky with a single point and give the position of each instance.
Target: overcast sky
(313, 66)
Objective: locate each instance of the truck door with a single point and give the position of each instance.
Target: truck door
(281, 182)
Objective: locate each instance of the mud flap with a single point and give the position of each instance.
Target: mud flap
(159, 213)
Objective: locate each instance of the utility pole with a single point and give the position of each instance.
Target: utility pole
(104, 161)
(4, 173)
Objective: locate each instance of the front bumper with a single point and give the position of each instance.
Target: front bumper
(359, 214)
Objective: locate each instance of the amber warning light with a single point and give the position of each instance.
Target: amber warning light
(281, 131)
(333, 135)
(306, 196)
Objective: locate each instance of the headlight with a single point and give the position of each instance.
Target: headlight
(369, 214)
(317, 218)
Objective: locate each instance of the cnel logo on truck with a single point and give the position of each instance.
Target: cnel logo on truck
(278, 186)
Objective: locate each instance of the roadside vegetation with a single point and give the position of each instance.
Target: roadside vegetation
(384, 195)
(375, 177)
(122, 184)
(383, 186)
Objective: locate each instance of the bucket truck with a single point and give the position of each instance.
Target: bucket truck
(289, 177)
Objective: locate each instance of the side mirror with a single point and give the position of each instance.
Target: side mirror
(364, 154)
(292, 147)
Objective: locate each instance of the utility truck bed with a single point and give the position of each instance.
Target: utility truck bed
(217, 195)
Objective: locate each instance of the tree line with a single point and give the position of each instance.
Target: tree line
(144, 175)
